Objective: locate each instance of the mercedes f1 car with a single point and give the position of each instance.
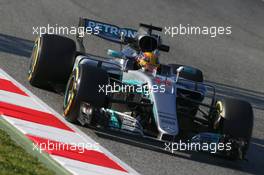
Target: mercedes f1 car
(131, 91)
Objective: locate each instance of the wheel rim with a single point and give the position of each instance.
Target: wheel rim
(34, 58)
(70, 92)
(220, 108)
(69, 95)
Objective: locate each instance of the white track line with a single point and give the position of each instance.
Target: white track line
(83, 168)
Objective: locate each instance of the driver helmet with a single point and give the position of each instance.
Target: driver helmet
(149, 58)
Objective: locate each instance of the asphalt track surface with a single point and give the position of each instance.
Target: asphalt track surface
(234, 64)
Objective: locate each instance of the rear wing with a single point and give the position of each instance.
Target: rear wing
(106, 31)
(103, 30)
(111, 32)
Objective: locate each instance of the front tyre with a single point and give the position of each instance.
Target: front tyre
(236, 122)
(83, 88)
(52, 60)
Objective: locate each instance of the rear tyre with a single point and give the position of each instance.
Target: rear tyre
(236, 122)
(52, 60)
(84, 87)
(190, 73)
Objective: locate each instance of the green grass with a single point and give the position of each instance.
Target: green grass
(14, 160)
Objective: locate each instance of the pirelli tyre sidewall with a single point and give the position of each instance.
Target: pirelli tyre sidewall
(52, 60)
(237, 119)
(84, 86)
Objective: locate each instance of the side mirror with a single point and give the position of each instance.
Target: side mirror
(178, 71)
(114, 53)
(119, 56)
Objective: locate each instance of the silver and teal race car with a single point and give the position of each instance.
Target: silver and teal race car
(170, 102)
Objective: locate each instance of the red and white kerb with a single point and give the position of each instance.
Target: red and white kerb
(65, 143)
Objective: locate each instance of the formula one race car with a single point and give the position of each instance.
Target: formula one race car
(131, 91)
